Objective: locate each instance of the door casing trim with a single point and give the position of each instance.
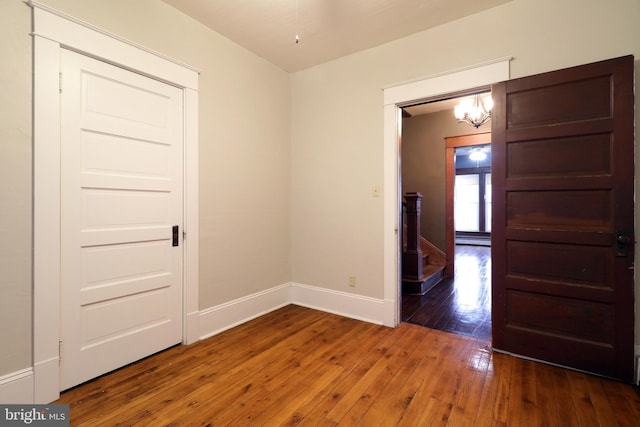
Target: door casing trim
(396, 96)
(53, 31)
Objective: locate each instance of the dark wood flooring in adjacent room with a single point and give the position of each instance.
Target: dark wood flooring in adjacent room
(461, 304)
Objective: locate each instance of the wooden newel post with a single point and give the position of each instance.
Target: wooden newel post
(412, 258)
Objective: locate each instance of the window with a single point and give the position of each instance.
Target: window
(472, 200)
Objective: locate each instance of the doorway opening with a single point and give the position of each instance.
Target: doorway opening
(560, 250)
(452, 172)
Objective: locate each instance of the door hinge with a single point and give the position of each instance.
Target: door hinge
(60, 82)
(59, 351)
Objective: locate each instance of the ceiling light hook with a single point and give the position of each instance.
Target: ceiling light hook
(297, 34)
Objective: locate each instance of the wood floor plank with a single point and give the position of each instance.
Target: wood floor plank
(585, 410)
(315, 410)
(502, 365)
(468, 399)
(485, 414)
(625, 407)
(522, 404)
(449, 384)
(393, 400)
(599, 400)
(301, 367)
(357, 400)
(441, 351)
(328, 358)
(545, 403)
(565, 408)
(404, 397)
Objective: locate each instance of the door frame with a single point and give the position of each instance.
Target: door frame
(451, 144)
(396, 97)
(53, 31)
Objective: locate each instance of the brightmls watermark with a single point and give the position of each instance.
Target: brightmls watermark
(34, 415)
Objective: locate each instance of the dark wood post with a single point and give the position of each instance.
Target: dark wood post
(412, 259)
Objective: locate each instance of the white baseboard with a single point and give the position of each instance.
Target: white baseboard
(225, 316)
(17, 387)
(191, 332)
(47, 380)
(359, 307)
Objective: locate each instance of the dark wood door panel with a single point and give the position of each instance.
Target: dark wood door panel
(578, 237)
(563, 210)
(574, 265)
(560, 102)
(581, 355)
(556, 157)
(563, 179)
(596, 318)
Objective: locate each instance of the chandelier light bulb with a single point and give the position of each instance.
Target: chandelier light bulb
(474, 111)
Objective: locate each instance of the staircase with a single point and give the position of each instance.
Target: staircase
(423, 263)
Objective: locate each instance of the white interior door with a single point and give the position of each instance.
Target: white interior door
(121, 191)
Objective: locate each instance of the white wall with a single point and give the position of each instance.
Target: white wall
(337, 118)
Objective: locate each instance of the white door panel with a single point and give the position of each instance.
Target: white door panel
(121, 193)
(144, 159)
(135, 208)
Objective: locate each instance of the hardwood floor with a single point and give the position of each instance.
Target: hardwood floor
(461, 304)
(297, 366)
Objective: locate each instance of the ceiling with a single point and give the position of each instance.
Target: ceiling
(327, 29)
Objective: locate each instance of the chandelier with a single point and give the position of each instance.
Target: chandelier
(474, 111)
(478, 154)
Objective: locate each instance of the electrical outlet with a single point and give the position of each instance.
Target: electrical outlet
(352, 281)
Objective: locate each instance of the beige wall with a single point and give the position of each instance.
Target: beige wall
(337, 118)
(15, 186)
(423, 166)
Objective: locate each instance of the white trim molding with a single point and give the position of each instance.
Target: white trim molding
(54, 31)
(233, 313)
(17, 387)
(344, 304)
(396, 96)
(217, 319)
(83, 37)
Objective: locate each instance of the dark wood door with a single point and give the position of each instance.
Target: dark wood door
(562, 247)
